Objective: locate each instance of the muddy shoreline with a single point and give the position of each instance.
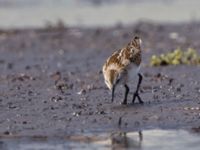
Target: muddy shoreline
(51, 82)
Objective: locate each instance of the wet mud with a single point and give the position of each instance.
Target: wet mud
(51, 82)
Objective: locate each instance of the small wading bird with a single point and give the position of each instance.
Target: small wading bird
(121, 65)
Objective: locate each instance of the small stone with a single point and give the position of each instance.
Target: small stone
(56, 76)
(173, 35)
(197, 108)
(178, 89)
(76, 114)
(90, 87)
(186, 108)
(69, 119)
(61, 86)
(10, 65)
(83, 98)
(102, 112)
(27, 67)
(170, 81)
(61, 52)
(56, 98)
(154, 117)
(94, 120)
(30, 93)
(7, 133)
(178, 96)
(24, 122)
(82, 91)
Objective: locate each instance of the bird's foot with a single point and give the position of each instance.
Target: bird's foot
(136, 95)
(124, 102)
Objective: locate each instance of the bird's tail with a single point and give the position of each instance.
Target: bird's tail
(110, 77)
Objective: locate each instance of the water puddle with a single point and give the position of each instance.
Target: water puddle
(145, 140)
(36, 13)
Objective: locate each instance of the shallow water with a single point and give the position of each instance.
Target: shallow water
(35, 13)
(146, 140)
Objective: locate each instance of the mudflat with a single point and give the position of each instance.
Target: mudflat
(51, 83)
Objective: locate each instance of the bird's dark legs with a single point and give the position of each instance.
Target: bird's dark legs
(126, 94)
(136, 92)
(140, 136)
(113, 93)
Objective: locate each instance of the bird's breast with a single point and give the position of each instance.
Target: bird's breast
(133, 69)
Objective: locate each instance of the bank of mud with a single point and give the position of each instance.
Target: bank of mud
(51, 81)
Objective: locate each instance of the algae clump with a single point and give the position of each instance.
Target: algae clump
(176, 57)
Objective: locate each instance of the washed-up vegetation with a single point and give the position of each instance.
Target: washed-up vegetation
(176, 57)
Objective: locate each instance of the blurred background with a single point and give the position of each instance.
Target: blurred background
(37, 13)
(51, 83)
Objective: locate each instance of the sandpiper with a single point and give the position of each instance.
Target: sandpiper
(121, 65)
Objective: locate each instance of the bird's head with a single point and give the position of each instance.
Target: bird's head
(136, 42)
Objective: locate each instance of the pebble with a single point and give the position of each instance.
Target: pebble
(76, 114)
(7, 133)
(61, 52)
(178, 89)
(24, 122)
(82, 91)
(56, 99)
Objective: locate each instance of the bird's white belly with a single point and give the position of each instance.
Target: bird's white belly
(134, 69)
(130, 75)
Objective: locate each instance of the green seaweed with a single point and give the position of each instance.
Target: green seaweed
(176, 57)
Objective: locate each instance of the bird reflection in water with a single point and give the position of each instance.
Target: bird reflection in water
(122, 140)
